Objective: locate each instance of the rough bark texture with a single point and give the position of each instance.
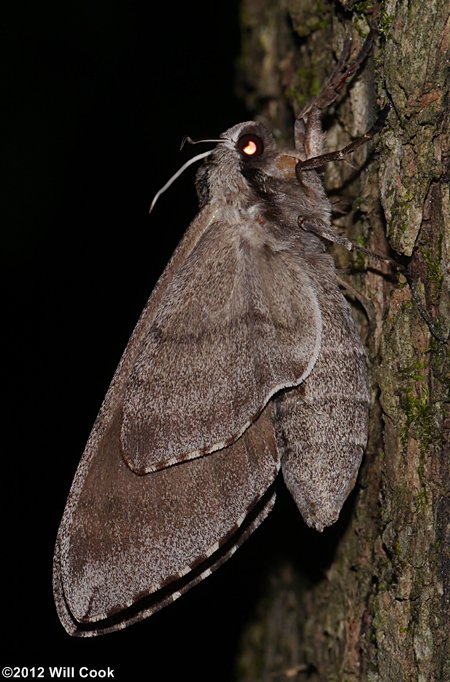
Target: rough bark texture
(377, 607)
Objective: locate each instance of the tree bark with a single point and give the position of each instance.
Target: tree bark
(372, 603)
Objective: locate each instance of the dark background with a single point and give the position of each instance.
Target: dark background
(98, 96)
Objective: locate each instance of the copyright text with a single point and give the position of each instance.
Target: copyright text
(63, 672)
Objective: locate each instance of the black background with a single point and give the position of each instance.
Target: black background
(98, 95)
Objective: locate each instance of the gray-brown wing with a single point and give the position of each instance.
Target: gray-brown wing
(130, 544)
(236, 321)
(322, 424)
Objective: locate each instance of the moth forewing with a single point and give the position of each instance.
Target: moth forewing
(130, 544)
(230, 305)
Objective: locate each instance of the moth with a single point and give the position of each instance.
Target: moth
(245, 361)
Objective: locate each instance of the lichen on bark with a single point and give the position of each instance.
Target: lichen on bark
(376, 608)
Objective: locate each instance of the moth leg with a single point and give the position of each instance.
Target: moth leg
(442, 337)
(308, 130)
(313, 162)
(327, 233)
(365, 302)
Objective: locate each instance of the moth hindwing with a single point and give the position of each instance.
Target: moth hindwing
(245, 361)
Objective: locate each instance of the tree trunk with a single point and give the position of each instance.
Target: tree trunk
(368, 599)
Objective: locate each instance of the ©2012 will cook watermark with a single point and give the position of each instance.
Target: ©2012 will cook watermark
(57, 672)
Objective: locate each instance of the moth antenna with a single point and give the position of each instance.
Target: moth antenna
(177, 175)
(189, 140)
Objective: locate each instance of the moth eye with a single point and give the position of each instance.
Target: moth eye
(250, 145)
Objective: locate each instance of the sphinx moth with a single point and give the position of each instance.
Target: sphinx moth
(245, 362)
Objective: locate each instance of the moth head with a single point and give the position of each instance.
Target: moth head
(246, 158)
(256, 147)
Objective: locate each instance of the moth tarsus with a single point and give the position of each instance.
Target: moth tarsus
(245, 361)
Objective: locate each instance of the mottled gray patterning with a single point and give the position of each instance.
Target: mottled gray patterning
(245, 360)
